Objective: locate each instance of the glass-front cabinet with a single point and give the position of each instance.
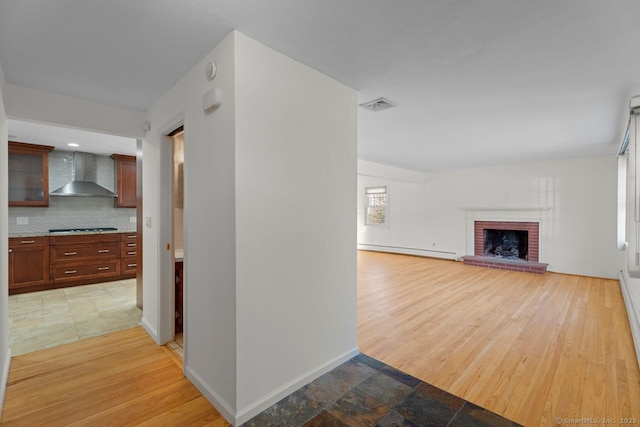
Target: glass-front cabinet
(28, 174)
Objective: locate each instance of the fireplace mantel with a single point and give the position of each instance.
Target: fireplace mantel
(514, 213)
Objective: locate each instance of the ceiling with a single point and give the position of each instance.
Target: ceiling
(476, 82)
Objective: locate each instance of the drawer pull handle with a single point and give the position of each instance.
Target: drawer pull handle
(132, 244)
(103, 268)
(132, 237)
(131, 265)
(70, 253)
(70, 272)
(26, 242)
(103, 251)
(132, 253)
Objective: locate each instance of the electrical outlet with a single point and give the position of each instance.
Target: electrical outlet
(22, 220)
(132, 219)
(148, 222)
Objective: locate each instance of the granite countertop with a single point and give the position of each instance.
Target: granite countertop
(66, 233)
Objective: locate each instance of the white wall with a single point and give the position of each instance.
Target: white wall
(296, 133)
(5, 351)
(23, 103)
(575, 199)
(406, 230)
(261, 316)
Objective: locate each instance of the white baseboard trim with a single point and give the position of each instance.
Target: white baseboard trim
(218, 402)
(409, 251)
(633, 311)
(5, 378)
(260, 405)
(150, 330)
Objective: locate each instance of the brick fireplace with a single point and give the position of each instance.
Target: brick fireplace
(507, 245)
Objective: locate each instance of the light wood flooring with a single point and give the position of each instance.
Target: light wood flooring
(536, 349)
(118, 379)
(531, 348)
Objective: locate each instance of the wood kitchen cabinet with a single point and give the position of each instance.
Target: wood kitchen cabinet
(128, 254)
(28, 262)
(56, 261)
(89, 258)
(179, 273)
(125, 181)
(28, 174)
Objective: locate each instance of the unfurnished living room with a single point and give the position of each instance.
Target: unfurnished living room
(379, 213)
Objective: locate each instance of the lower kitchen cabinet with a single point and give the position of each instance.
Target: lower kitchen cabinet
(28, 262)
(48, 262)
(179, 272)
(84, 257)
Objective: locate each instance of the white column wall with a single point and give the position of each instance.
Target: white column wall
(209, 234)
(296, 132)
(5, 351)
(270, 290)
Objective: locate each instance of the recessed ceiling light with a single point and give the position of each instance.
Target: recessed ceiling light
(73, 144)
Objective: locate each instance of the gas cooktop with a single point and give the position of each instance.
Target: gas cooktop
(82, 229)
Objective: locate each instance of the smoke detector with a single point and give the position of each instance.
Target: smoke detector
(378, 104)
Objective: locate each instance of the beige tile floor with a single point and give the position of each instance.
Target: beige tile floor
(45, 319)
(177, 345)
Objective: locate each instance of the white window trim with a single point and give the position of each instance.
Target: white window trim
(366, 205)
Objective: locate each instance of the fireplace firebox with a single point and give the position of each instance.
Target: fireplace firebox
(509, 244)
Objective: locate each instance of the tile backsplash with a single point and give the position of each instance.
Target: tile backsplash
(71, 212)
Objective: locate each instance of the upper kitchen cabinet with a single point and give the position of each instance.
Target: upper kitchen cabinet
(28, 174)
(125, 181)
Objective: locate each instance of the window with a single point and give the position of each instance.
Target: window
(622, 201)
(376, 205)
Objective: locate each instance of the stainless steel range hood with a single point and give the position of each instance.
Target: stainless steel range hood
(84, 179)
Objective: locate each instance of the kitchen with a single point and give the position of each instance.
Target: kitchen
(73, 248)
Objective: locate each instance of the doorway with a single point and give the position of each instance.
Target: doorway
(177, 237)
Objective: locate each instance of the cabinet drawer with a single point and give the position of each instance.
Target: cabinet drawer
(82, 239)
(129, 265)
(129, 237)
(60, 253)
(128, 252)
(27, 242)
(132, 246)
(68, 273)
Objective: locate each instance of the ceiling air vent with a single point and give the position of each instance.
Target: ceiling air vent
(378, 104)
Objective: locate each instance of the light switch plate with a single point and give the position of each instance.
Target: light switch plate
(22, 220)
(132, 219)
(148, 222)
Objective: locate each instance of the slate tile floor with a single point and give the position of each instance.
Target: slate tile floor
(365, 392)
